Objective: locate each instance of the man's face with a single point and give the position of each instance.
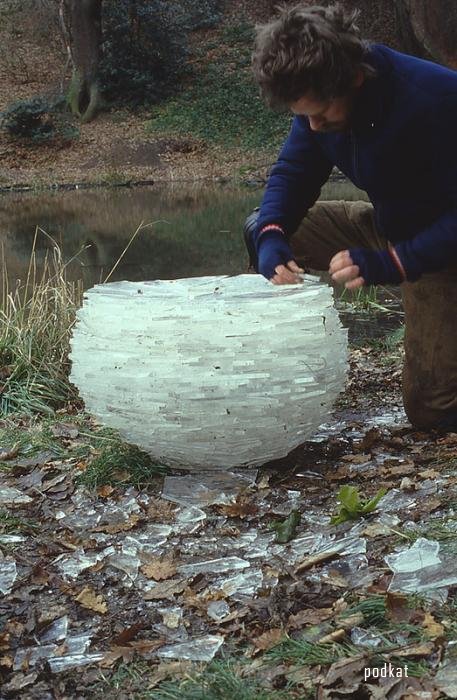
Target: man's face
(327, 116)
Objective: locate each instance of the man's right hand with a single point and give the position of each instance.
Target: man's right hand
(275, 259)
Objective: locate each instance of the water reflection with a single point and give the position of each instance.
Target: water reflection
(191, 229)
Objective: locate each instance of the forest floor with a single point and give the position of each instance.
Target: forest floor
(216, 127)
(119, 579)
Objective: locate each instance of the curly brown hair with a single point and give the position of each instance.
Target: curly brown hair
(305, 49)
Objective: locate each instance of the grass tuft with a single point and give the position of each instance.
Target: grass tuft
(36, 318)
(120, 463)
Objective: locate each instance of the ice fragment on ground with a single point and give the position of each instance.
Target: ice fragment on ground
(203, 649)
(56, 631)
(71, 565)
(395, 500)
(422, 553)
(189, 520)
(446, 677)
(207, 488)
(423, 569)
(245, 583)
(213, 566)
(364, 638)
(29, 656)
(218, 609)
(12, 497)
(8, 575)
(12, 539)
(65, 663)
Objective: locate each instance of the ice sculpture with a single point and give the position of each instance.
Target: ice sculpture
(210, 372)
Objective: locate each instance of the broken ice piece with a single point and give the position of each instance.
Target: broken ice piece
(56, 631)
(12, 539)
(421, 554)
(396, 500)
(213, 566)
(71, 565)
(446, 677)
(8, 575)
(206, 488)
(30, 655)
(126, 560)
(203, 649)
(189, 520)
(218, 609)
(422, 569)
(365, 638)
(12, 497)
(64, 663)
(244, 583)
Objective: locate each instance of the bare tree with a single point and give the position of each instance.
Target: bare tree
(429, 28)
(81, 22)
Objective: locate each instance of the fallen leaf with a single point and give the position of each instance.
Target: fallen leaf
(334, 636)
(407, 484)
(65, 430)
(371, 437)
(345, 672)
(351, 621)
(161, 510)
(105, 490)
(240, 509)
(429, 474)
(397, 607)
(89, 599)
(159, 569)
(315, 559)
(110, 658)
(9, 454)
(310, 616)
(268, 639)
(165, 589)
(433, 628)
(128, 634)
(114, 528)
(174, 669)
(356, 459)
(424, 649)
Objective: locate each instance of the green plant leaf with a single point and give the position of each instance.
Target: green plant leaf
(286, 529)
(352, 506)
(370, 506)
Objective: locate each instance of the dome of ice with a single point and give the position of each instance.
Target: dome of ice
(210, 372)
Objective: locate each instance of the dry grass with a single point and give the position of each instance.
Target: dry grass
(36, 318)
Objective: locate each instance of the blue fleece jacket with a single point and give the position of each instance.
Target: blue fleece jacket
(401, 148)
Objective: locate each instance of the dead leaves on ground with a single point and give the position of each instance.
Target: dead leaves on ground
(159, 568)
(90, 600)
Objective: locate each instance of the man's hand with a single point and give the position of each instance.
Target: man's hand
(343, 270)
(276, 261)
(287, 274)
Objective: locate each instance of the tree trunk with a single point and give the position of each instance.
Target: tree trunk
(428, 28)
(84, 25)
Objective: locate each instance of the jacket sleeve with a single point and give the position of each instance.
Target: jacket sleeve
(295, 180)
(435, 247)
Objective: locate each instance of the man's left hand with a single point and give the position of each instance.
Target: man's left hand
(343, 270)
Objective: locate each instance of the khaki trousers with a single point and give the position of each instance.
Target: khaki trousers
(430, 305)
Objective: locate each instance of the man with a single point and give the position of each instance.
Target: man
(389, 122)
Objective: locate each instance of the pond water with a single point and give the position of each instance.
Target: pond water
(188, 229)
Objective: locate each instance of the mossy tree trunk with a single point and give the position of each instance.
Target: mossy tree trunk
(83, 19)
(428, 28)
